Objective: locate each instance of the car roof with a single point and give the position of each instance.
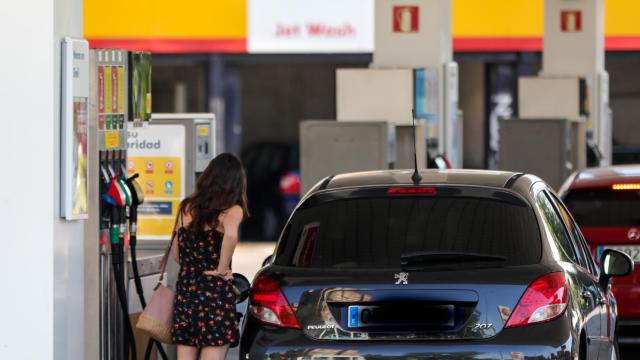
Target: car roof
(606, 176)
(429, 176)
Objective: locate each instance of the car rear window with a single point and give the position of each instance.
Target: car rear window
(373, 233)
(604, 207)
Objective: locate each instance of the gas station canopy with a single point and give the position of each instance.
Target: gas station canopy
(316, 26)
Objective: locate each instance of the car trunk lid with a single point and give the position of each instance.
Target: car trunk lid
(378, 305)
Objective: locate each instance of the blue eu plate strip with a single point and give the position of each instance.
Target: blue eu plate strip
(354, 316)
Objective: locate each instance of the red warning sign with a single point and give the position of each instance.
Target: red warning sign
(406, 19)
(571, 21)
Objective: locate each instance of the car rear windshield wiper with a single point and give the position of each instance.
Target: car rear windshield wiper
(437, 258)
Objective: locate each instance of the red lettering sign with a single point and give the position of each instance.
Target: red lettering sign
(571, 21)
(100, 89)
(406, 19)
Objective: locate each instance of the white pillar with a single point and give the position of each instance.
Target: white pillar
(27, 193)
(574, 46)
(42, 259)
(402, 42)
(573, 37)
(71, 334)
(417, 34)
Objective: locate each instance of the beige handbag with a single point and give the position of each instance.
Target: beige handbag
(157, 318)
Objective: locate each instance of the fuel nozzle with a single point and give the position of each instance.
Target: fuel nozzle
(137, 198)
(119, 197)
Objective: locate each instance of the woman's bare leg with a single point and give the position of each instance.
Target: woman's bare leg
(187, 352)
(214, 352)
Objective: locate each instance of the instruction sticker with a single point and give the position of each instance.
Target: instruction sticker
(111, 140)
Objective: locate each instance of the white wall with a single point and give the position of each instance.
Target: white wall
(26, 179)
(41, 261)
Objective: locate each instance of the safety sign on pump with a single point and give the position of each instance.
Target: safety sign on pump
(157, 153)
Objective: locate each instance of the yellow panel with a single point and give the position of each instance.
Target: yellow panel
(193, 19)
(227, 19)
(111, 139)
(621, 17)
(497, 18)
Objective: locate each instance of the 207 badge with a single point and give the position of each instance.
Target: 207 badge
(402, 278)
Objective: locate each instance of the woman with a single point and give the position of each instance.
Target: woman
(206, 236)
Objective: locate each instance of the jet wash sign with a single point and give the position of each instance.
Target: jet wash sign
(310, 26)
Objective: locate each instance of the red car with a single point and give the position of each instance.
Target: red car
(605, 203)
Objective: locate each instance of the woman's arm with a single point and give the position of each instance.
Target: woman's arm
(174, 247)
(230, 222)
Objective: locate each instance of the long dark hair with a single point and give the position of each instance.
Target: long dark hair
(222, 185)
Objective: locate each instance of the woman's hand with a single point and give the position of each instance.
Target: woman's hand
(225, 274)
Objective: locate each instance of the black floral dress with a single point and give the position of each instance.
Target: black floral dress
(204, 312)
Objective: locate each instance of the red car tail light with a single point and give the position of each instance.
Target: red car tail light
(545, 299)
(411, 190)
(268, 304)
(290, 183)
(626, 187)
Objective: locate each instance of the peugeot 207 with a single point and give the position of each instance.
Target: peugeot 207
(459, 265)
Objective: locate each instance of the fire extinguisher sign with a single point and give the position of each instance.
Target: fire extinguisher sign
(571, 21)
(406, 19)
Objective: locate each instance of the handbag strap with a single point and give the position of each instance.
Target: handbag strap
(165, 257)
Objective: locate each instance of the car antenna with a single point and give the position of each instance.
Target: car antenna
(416, 177)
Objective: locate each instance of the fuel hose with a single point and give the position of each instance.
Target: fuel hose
(137, 198)
(117, 198)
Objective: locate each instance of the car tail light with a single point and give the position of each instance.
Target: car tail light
(626, 187)
(545, 299)
(411, 190)
(268, 304)
(290, 183)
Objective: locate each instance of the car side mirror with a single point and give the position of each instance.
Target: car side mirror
(267, 260)
(614, 263)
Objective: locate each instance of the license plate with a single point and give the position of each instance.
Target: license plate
(361, 316)
(632, 250)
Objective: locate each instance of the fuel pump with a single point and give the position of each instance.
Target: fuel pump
(111, 195)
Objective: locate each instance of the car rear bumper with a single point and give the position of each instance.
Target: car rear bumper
(629, 332)
(545, 341)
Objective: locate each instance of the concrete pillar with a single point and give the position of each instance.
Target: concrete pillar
(42, 257)
(28, 184)
(70, 328)
(573, 37)
(417, 34)
(574, 46)
(412, 33)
